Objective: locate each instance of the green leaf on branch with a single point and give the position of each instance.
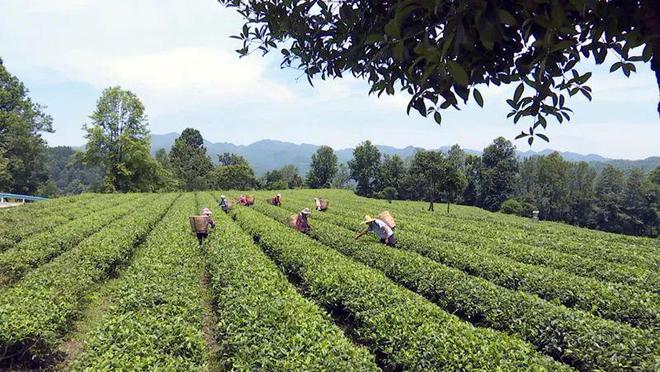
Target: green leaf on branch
(457, 72)
(543, 137)
(478, 98)
(519, 91)
(616, 66)
(437, 117)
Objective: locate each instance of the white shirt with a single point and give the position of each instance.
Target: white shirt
(381, 229)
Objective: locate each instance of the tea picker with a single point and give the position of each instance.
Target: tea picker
(383, 226)
(321, 204)
(300, 221)
(200, 224)
(224, 204)
(246, 200)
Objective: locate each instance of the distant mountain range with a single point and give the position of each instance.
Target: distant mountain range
(266, 155)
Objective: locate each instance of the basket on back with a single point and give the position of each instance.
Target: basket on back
(323, 204)
(199, 224)
(387, 218)
(250, 200)
(292, 221)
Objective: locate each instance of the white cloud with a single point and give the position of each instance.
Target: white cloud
(615, 87)
(176, 56)
(178, 79)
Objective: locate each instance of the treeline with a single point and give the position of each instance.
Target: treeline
(610, 200)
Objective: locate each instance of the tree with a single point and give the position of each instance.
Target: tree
(163, 158)
(654, 176)
(427, 169)
(581, 193)
(118, 142)
(170, 181)
(551, 193)
(5, 177)
(441, 52)
(233, 177)
(69, 174)
(291, 177)
(453, 181)
(609, 195)
(22, 149)
(497, 175)
(472, 170)
(640, 204)
(392, 172)
(342, 179)
(229, 158)
(48, 189)
(323, 168)
(388, 193)
(284, 178)
(652, 193)
(189, 161)
(364, 167)
(456, 157)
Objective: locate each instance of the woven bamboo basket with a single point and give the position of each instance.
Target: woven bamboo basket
(199, 224)
(292, 220)
(387, 218)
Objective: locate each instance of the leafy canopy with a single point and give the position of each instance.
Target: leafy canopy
(189, 160)
(22, 149)
(118, 142)
(323, 168)
(497, 175)
(440, 52)
(365, 167)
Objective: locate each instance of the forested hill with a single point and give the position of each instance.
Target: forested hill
(266, 155)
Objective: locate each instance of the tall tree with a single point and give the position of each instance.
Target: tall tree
(581, 194)
(552, 194)
(291, 176)
(233, 177)
(654, 176)
(640, 204)
(323, 168)
(5, 177)
(497, 176)
(163, 158)
(286, 177)
(427, 48)
(364, 167)
(342, 179)
(426, 172)
(22, 149)
(392, 172)
(456, 157)
(472, 171)
(68, 172)
(170, 181)
(118, 142)
(189, 160)
(229, 158)
(454, 181)
(609, 195)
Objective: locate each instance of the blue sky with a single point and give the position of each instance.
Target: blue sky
(178, 58)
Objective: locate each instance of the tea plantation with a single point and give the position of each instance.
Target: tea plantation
(119, 282)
